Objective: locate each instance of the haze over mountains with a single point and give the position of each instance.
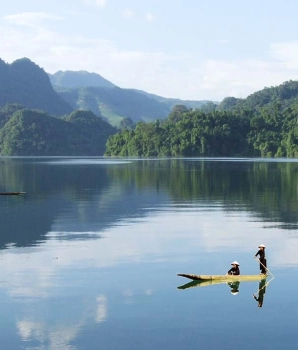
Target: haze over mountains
(25, 83)
(70, 79)
(86, 90)
(74, 113)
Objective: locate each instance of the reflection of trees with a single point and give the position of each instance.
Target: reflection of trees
(37, 177)
(84, 192)
(269, 189)
(49, 191)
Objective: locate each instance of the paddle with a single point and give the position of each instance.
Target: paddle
(264, 266)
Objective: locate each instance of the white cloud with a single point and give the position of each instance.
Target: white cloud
(48, 336)
(174, 75)
(149, 17)
(102, 309)
(98, 3)
(30, 19)
(128, 13)
(242, 77)
(286, 52)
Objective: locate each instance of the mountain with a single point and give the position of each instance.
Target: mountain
(91, 91)
(26, 132)
(171, 102)
(78, 79)
(262, 125)
(25, 83)
(115, 104)
(284, 94)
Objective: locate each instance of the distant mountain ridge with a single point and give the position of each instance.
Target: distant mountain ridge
(115, 104)
(171, 102)
(78, 79)
(85, 90)
(25, 83)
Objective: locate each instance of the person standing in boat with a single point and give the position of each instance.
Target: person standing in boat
(262, 259)
(234, 270)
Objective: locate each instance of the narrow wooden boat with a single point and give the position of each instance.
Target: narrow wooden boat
(226, 278)
(11, 193)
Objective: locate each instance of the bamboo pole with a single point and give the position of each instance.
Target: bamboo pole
(264, 266)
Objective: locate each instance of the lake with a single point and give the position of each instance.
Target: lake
(90, 255)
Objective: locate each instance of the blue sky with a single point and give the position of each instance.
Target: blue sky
(188, 49)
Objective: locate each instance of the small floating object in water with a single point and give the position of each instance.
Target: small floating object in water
(11, 193)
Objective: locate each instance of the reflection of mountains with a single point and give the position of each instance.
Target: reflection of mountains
(53, 192)
(100, 195)
(268, 189)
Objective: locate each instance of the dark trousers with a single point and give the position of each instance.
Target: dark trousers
(262, 268)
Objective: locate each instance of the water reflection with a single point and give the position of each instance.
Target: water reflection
(78, 246)
(101, 192)
(259, 296)
(234, 287)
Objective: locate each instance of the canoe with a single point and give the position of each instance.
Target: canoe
(11, 193)
(227, 278)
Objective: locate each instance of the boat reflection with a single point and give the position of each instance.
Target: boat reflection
(234, 285)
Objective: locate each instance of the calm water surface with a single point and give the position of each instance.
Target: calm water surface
(89, 256)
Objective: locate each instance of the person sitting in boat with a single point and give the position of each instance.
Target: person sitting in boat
(234, 270)
(262, 260)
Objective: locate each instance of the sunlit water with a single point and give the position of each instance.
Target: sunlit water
(89, 256)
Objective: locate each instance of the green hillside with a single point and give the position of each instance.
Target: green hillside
(92, 92)
(26, 132)
(284, 94)
(26, 83)
(269, 131)
(115, 104)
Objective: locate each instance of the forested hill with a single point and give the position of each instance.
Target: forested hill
(270, 132)
(91, 91)
(284, 95)
(25, 132)
(115, 104)
(25, 83)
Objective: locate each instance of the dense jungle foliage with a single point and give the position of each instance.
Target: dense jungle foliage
(270, 131)
(26, 132)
